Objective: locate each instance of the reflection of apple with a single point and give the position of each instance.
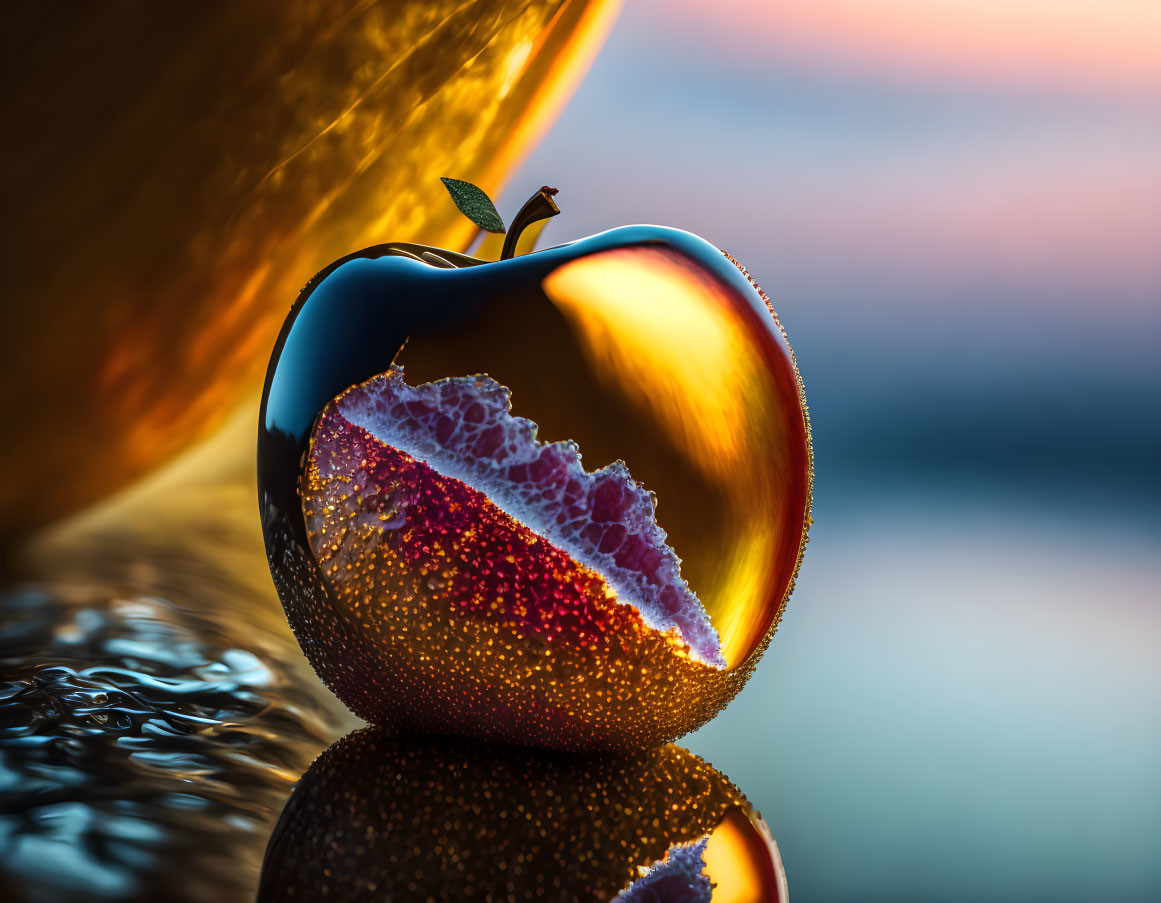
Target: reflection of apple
(448, 565)
(378, 817)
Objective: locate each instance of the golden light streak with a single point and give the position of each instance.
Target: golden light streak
(669, 338)
(648, 321)
(742, 860)
(188, 170)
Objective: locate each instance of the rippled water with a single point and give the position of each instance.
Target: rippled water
(155, 710)
(136, 736)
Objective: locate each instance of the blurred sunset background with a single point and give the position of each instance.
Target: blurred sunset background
(956, 208)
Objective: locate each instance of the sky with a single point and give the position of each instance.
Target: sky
(956, 208)
(1102, 45)
(981, 250)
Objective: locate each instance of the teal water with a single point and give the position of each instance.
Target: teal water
(963, 702)
(150, 731)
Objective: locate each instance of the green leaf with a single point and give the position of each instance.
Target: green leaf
(474, 204)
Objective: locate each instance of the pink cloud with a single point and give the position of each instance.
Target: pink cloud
(1101, 44)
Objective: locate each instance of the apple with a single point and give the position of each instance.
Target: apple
(422, 818)
(447, 560)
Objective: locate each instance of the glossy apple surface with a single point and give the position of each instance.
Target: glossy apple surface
(380, 817)
(607, 578)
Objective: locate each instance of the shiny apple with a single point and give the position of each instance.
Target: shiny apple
(448, 560)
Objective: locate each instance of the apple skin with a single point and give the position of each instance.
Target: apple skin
(418, 666)
(419, 818)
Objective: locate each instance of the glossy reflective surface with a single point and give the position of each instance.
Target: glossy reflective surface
(643, 344)
(156, 713)
(383, 817)
(178, 172)
(689, 383)
(144, 747)
(156, 710)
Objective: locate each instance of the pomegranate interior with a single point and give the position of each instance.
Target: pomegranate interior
(463, 428)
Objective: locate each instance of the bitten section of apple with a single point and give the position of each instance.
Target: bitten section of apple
(679, 876)
(463, 428)
(388, 529)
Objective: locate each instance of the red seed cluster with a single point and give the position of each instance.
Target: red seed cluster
(443, 613)
(477, 560)
(466, 426)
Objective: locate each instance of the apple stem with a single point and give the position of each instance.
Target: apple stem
(539, 206)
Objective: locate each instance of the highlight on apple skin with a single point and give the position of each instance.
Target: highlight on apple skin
(422, 818)
(557, 499)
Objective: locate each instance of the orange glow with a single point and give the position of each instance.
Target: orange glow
(163, 242)
(681, 349)
(645, 319)
(743, 862)
(557, 61)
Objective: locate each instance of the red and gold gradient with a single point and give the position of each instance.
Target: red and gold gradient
(466, 621)
(448, 612)
(430, 819)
